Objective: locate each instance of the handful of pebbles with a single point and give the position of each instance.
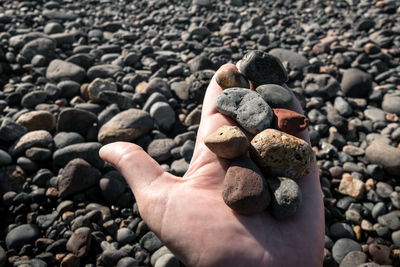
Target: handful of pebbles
(263, 171)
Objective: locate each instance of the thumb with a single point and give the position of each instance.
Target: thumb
(138, 168)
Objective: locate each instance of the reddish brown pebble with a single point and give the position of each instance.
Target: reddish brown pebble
(245, 189)
(228, 142)
(231, 78)
(380, 254)
(289, 121)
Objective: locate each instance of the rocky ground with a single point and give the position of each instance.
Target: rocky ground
(75, 75)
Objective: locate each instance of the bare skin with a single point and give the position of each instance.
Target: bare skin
(189, 215)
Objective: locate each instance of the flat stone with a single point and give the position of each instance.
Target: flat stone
(88, 151)
(125, 126)
(63, 139)
(38, 120)
(231, 78)
(32, 99)
(275, 95)
(280, 154)
(21, 235)
(352, 187)
(342, 247)
(384, 155)
(262, 68)
(227, 142)
(289, 121)
(39, 138)
(286, 197)
(245, 189)
(59, 70)
(246, 107)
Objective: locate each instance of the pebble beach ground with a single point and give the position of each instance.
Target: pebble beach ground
(75, 75)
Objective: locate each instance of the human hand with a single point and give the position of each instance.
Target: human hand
(189, 215)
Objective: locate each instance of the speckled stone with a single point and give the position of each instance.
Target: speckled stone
(262, 68)
(231, 78)
(286, 197)
(246, 107)
(245, 189)
(228, 142)
(289, 121)
(281, 154)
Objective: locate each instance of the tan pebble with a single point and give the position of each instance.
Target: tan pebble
(357, 232)
(391, 117)
(85, 91)
(141, 87)
(38, 120)
(366, 225)
(52, 192)
(369, 184)
(231, 78)
(60, 256)
(364, 248)
(227, 142)
(371, 48)
(61, 102)
(351, 186)
(281, 154)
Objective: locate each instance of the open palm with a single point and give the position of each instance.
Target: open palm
(189, 215)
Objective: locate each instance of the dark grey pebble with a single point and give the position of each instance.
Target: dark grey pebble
(150, 242)
(263, 68)
(88, 151)
(286, 197)
(21, 235)
(125, 236)
(356, 83)
(275, 95)
(63, 139)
